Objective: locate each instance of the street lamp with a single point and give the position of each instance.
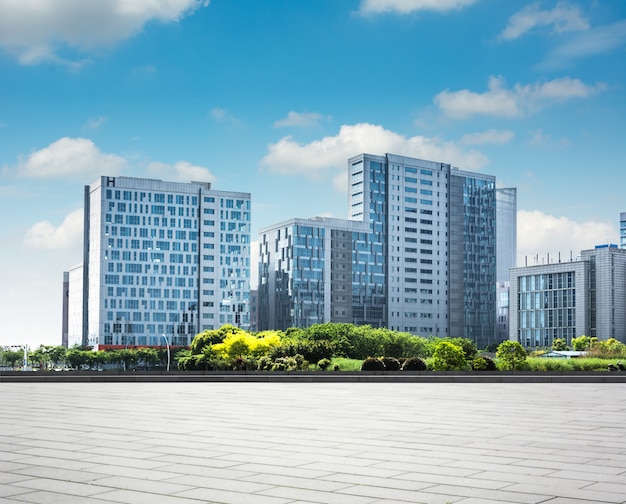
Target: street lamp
(167, 344)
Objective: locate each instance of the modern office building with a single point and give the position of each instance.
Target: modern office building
(586, 296)
(622, 230)
(73, 306)
(417, 254)
(162, 262)
(506, 239)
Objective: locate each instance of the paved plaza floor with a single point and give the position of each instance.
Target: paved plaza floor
(297, 443)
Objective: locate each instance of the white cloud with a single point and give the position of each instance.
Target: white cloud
(221, 115)
(491, 136)
(515, 102)
(565, 17)
(408, 6)
(304, 120)
(181, 171)
(599, 40)
(539, 234)
(70, 157)
(318, 158)
(95, 122)
(36, 30)
(539, 139)
(44, 235)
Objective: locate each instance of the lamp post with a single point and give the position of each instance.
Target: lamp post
(167, 344)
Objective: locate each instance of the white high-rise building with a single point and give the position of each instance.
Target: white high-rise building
(418, 254)
(162, 262)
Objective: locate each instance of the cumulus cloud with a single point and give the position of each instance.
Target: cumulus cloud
(70, 157)
(515, 102)
(491, 136)
(540, 234)
(181, 171)
(44, 235)
(330, 154)
(37, 30)
(298, 119)
(564, 17)
(408, 6)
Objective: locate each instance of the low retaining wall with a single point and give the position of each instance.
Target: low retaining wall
(303, 376)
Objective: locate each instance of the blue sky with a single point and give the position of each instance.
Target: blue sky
(272, 98)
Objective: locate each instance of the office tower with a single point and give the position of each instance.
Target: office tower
(163, 261)
(622, 230)
(506, 225)
(419, 254)
(565, 300)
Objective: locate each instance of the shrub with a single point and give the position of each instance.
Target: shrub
(285, 364)
(265, 364)
(448, 357)
(372, 364)
(511, 355)
(391, 363)
(484, 363)
(414, 364)
(323, 364)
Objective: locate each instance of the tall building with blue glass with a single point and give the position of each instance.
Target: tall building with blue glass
(417, 254)
(162, 261)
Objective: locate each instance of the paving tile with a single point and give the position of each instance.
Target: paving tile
(305, 443)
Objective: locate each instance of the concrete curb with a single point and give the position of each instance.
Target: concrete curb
(318, 377)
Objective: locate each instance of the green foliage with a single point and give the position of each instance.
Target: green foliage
(448, 357)
(212, 337)
(467, 345)
(344, 364)
(372, 364)
(323, 364)
(610, 348)
(483, 363)
(581, 343)
(414, 364)
(559, 345)
(12, 358)
(391, 363)
(511, 355)
(313, 351)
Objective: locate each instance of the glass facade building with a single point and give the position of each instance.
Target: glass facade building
(391, 263)
(163, 261)
(565, 300)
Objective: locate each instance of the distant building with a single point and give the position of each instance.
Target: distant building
(506, 225)
(570, 299)
(622, 230)
(418, 254)
(162, 262)
(502, 313)
(254, 310)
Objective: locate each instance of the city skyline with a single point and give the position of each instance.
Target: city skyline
(273, 99)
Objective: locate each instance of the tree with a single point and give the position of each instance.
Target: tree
(511, 355)
(149, 356)
(581, 343)
(77, 358)
(559, 344)
(12, 358)
(448, 357)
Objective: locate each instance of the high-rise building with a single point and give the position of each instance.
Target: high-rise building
(564, 300)
(506, 224)
(622, 230)
(418, 254)
(162, 262)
